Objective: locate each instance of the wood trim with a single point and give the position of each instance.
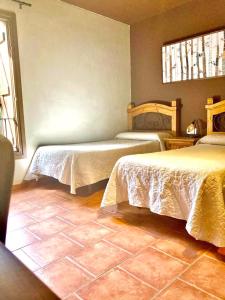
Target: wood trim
(202, 33)
(213, 109)
(191, 37)
(179, 142)
(172, 110)
(10, 19)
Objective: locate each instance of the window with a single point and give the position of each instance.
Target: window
(11, 105)
(195, 58)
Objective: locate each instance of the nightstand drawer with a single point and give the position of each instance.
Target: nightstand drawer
(179, 142)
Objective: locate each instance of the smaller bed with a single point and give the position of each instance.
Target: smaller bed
(186, 183)
(84, 164)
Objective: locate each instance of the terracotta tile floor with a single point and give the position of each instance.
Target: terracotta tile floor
(85, 253)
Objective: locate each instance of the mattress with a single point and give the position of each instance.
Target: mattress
(186, 183)
(83, 164)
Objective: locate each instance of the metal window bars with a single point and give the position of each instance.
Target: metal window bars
(8, 114)
(8, 125)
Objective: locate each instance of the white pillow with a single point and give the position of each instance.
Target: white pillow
(140, 135)
(213, 139)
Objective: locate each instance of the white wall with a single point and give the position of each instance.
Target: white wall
(75, 68)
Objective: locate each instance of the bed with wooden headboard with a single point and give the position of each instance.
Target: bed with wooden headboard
(155, 116)
(84, 164)
(215, 116)
(187, 183)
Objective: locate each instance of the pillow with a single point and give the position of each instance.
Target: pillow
(213, 139)
(140, 135)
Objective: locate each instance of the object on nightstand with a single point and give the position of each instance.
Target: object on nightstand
(197, 128)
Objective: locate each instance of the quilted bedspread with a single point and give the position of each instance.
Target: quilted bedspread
(84, 164)
(187, 184)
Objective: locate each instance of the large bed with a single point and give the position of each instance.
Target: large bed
(79, 165)
(186, 183)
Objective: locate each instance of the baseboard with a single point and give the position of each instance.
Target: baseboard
(20, 186)
(44, 180)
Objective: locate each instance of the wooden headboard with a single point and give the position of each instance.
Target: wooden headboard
(215, 116)
(172, 110)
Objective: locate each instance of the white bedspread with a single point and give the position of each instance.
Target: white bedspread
(83, 164)
(187, 184)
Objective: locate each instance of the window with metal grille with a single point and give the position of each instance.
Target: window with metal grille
(11, 106)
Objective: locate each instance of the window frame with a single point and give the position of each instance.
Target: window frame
(10, 19)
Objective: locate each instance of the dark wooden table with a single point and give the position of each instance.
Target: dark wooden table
(19, 283)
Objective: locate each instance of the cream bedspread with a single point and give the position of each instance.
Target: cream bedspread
(187, 184)
(84, 164)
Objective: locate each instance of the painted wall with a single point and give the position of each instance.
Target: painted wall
(147, 39)
(75, 68)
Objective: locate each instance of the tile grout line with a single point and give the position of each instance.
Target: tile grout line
(133, 255)
(75, 242)
(70, 223)
(121, 268)
(137, 278)
(66, 221)
(171, 256)
(94, 279)
(202, 256)
(78, 296)
(29, 244)
(23, 226)
(176, 278)
(46, 265)
(113, 230)
(110, 268)
(198, 288)
(73, 260)
(50, 263)
(214, 258)
(65, 208)
(35, 235)
(116, 246)
(21, 249)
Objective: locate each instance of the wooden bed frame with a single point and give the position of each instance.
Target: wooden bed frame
(214, 109)
(172, 110)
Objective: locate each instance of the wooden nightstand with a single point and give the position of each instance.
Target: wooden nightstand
(179, 142)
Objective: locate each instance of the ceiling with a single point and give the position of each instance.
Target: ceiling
(128, 11)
